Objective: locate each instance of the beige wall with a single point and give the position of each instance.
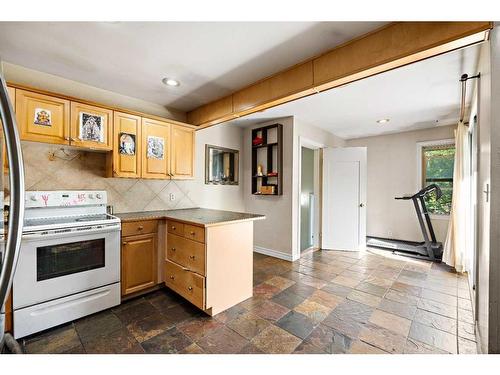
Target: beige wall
(222, 197)
(392, 171)
(49, 82)
(279, 234)
(274, 233)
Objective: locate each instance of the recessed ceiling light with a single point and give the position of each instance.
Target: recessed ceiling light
(383, 121)
(170, 82)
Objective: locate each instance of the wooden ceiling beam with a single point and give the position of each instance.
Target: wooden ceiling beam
(392, 46)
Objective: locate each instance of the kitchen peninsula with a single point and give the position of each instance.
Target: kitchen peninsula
(203, 255)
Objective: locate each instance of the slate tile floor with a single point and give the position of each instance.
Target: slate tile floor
(328, 302)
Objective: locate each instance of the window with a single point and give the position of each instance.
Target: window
(437, 168)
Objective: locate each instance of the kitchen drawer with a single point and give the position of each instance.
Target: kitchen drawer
(139, 227)
(188, 284)
(194, 233)
(175, 227)
(187, 253)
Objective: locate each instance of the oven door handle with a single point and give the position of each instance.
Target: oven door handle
(71, 233)
(16, 178)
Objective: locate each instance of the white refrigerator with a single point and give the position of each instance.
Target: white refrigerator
(13, 195)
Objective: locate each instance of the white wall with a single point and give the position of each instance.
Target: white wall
(222, 197)
(494, 287)
(310, 134)
(44, 81)
(392, 171)
(484, 125)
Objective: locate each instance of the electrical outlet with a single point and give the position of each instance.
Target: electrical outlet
(171, 196)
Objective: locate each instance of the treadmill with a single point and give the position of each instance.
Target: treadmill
(429, 249)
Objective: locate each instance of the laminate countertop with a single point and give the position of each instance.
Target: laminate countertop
(200, 216)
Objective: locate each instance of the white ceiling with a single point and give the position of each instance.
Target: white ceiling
(412, 97)
(209, 59)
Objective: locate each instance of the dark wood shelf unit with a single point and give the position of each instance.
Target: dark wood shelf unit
(268, 147)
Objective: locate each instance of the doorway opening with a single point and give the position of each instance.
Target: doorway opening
(309, 185)
(307, 199)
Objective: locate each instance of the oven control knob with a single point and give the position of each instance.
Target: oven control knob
(91, 196)
(33, 198)
(98, 196)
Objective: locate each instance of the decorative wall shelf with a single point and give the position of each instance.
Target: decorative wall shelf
(267, 151)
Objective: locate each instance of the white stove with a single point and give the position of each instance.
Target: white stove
(69, 263)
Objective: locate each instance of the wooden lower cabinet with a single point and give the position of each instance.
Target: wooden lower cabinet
(211, 267)
(139, 263)
(8, 313)
(185, 282)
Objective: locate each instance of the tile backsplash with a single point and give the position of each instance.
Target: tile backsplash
(55, 167)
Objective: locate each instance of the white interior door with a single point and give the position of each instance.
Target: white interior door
(344, 199)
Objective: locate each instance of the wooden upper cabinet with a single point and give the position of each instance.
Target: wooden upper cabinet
(12, 95)
(182, 152)
(127, 145)
(91, 127)
(155, 149)
(42, 118)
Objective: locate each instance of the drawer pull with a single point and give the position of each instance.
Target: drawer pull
(125, 243)
(140, 227)
(191, 257)
(190, 287)
(173, 227)
(172, 277)
(173, 249)
(192, 233)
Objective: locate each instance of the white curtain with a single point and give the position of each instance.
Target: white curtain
(455, 247)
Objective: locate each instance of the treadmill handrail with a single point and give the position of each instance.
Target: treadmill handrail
(423, 192)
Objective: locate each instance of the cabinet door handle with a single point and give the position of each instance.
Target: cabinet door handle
(140, 227)
(190, 287)
(67, 139)
(173, 227)
(173, 249)
(73, 139)
(125, 243)
(192, 233)
(172, 277)
(191, 257)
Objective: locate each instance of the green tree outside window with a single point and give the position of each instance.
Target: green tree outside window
(438, 162)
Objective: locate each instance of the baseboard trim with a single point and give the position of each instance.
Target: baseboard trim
(273, 253)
